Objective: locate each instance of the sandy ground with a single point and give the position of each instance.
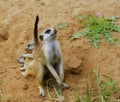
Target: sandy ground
(16, 29)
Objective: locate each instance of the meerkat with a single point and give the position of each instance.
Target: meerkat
(29, 48)
(52, 51)
(26, 58)
(37, 65)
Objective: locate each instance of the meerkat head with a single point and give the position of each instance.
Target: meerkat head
(48, 34)
(30, 46)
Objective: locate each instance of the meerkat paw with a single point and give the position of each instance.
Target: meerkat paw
(22, 68)
(65, 85)
(41, 91)
(21, 60)
(24, 55)
(23, 74)
(27, 55)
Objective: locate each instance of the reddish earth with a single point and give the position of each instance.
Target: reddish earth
(16, 29)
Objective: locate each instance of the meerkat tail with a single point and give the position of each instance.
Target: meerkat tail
(36, 31)
(37, 50)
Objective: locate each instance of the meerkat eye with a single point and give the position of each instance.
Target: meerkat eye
(47, 31)
(28, 45)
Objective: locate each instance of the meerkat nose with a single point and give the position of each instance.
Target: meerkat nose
(55, 31)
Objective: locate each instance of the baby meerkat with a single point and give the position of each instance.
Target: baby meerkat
(29, 48)
(52, 51)
(39, 64)
(26, 58)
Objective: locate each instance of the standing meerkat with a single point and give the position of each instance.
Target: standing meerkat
(52, 51)
(39, 64)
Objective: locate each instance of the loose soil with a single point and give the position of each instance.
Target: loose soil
(17, 19)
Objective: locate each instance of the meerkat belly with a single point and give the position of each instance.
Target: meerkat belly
(54, 59)
(51, 53)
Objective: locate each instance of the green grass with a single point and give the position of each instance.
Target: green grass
(62, 26)
(95, 28)
(89, 93)
(0, 98)
(6, 98)
(80, 98)
(56, 95)
(1, 81)
(105, 89)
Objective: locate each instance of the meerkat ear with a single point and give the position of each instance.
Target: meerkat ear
(41, 37)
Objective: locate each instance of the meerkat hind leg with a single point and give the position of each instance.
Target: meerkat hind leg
(39, 78)
(29, 69)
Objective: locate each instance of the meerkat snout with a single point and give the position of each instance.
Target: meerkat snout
(55, 31)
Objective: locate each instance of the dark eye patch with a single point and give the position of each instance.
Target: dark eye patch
(47, 31)
(28, 45)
